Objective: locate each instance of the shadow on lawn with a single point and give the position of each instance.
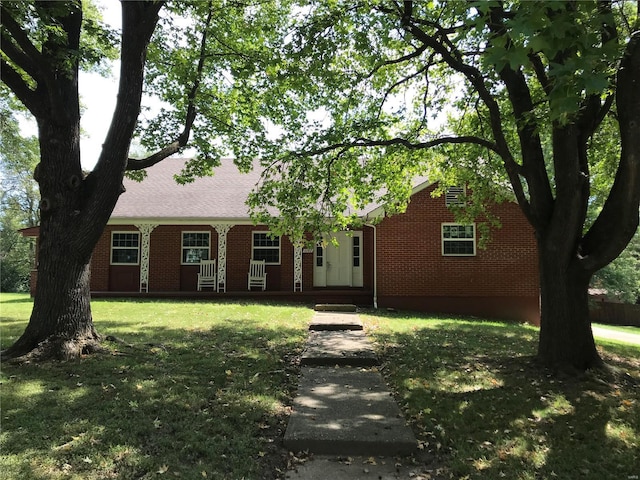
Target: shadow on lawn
(209, 402)
(475, 392)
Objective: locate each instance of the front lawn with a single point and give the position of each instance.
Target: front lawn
(190, 390)
(474, 394)
(203, 389)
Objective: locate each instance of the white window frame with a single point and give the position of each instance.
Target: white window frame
(192, 247)
(112, 248)
(266, 247)
(470, 240)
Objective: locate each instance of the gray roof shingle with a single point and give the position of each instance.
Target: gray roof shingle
(221, 196)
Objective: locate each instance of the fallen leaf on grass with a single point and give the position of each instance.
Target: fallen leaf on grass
(163, 469)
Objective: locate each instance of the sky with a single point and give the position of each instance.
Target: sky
(98, 96)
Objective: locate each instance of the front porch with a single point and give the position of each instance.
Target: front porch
(359, 297)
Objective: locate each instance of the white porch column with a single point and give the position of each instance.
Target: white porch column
(222, 230)
(145, 230)
(297, 267)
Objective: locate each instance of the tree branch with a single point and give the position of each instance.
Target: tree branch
(183, 138)
(528, 136)
(22, 40)
(31, 99)
(20, 58)
(540, 72)
(453, 58)
(369, 143)
(618, 219)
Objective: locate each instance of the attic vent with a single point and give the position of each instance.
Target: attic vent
(453, 196)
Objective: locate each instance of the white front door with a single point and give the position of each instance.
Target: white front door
(339, 261)
(341, 265)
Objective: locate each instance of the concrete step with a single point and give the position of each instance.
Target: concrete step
(335, 307)
(346, 411)
(335, 321)
(344, 347)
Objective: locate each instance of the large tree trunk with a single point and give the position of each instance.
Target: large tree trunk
(74, 210)
(61, 324)
(566, 340)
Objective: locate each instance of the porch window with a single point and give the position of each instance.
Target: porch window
(125, 248)
(458, 240)
(266, 247)
(195, 246)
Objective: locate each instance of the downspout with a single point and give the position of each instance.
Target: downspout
(375, 264)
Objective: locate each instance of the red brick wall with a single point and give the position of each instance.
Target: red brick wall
(412, 272)
(411, 264)
(167, 274)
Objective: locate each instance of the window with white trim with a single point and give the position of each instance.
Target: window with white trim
(356, 250)
(453, 196)
(458, 239)
(319, 256)
(195, 247)
(266, 247)
(125, 248)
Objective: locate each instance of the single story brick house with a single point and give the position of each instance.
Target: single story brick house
(419, 260)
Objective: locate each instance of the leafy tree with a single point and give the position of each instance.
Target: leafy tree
(44, 45)
(525, 86)
(621, 278)
(19, 197)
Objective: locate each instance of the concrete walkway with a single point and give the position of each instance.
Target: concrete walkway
(344, 415)
(606, 333)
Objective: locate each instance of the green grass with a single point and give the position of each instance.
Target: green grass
(203, 392)
(619, 328)
(473, 394)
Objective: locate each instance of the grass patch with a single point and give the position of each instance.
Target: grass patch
(619, 328)
(192, 390)
(202, 390)
(473, 394)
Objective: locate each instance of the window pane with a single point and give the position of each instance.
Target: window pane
(458, 239)
(124, 247)
(194, 255)
(269, 255)
(124, 255)
(263, 240)
(195, 239)
(266, 248)
(125, 240)
(458, 247)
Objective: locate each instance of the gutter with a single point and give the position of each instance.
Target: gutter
(375, 264)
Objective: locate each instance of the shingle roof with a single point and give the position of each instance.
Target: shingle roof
(221, 196)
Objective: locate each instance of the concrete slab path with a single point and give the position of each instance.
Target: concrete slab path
(335, 321)
(347, 411)
(339, 347)
(344, 408)
(363, 468)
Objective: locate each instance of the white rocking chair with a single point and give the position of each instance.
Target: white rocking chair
(257, 275)
(207, 275)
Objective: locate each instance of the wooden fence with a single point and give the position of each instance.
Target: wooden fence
(615, 313)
